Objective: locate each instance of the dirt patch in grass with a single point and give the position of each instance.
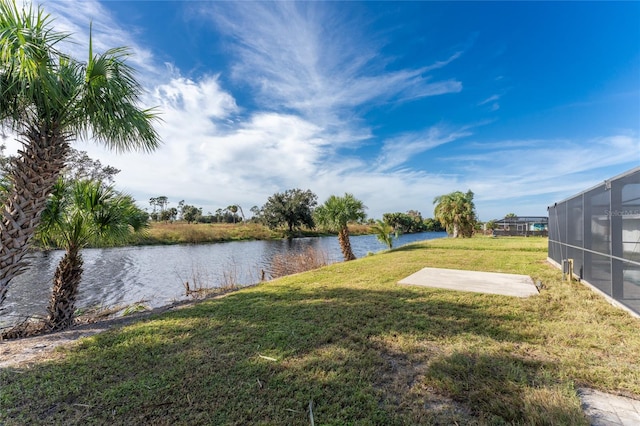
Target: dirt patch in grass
(402, 384)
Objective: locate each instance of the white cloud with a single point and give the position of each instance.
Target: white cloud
(491, 98)
(540, 172)
(310, 58)
(398, 150)
(210, 157)
(189, 106)
(493, 101)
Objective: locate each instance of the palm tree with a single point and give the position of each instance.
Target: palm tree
(233, 209)
(384, 232)
(49, 99)
(78, 214)
(456, 212)
(336, 213)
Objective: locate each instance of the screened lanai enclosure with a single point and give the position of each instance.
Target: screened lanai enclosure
(600, 230)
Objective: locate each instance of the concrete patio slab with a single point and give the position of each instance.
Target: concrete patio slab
(479, 282)
(604, 409)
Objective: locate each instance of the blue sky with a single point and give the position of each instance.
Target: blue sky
(396, 102)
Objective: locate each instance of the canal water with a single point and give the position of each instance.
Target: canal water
(155, 275)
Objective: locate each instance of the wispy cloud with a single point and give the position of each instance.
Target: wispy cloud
(492, 101)
(310, 58)
(398, 150)
(544, 169)
(532, 160)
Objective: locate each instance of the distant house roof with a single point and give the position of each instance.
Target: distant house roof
(523, 219)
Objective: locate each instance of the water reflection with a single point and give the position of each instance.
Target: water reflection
(156, 274)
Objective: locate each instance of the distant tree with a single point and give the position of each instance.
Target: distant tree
(239, 209)
(208, 218)
(162, 202)
(405, 223)
(180, 208)
(384, 232)
(153, 202)
(398, 221)
(169, 214)
(219, 217)
(233, 209)
(191, 213)
(456, 211)
(80, 166)
(257, 214)
(227, 215)
(433, 225)
(511, 215)
(78, 214)
(415, 215)
(173, 213)
(292, 208)
(336, 213)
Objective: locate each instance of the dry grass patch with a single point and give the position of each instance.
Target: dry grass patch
(183, 233)
(197, 233)
(295, 262)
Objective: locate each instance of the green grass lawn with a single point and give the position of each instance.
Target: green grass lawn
(355, 346)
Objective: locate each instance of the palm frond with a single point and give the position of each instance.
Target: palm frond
(28, 57)
(110, 104)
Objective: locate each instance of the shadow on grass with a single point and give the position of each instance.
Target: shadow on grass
(417, 246)
(504, 389)
(260, 356)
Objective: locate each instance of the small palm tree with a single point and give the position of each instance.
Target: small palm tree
(456, 212)
(384, 232)
(77, 215)
(49, 99)
(336, 213)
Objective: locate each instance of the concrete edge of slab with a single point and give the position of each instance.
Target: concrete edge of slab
(604, 409)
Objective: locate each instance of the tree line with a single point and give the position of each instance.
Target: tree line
(292, 210)
(191, 214)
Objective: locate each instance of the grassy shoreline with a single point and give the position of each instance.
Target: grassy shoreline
(358, 347)
(161, 233)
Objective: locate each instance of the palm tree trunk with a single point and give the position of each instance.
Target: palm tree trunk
(345, 244)
(456, 230)
(65, 290)
(33, 176)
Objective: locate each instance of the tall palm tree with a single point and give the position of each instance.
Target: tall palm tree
(336, 213)
(49, 99)
(78, 214)
(456, 211)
